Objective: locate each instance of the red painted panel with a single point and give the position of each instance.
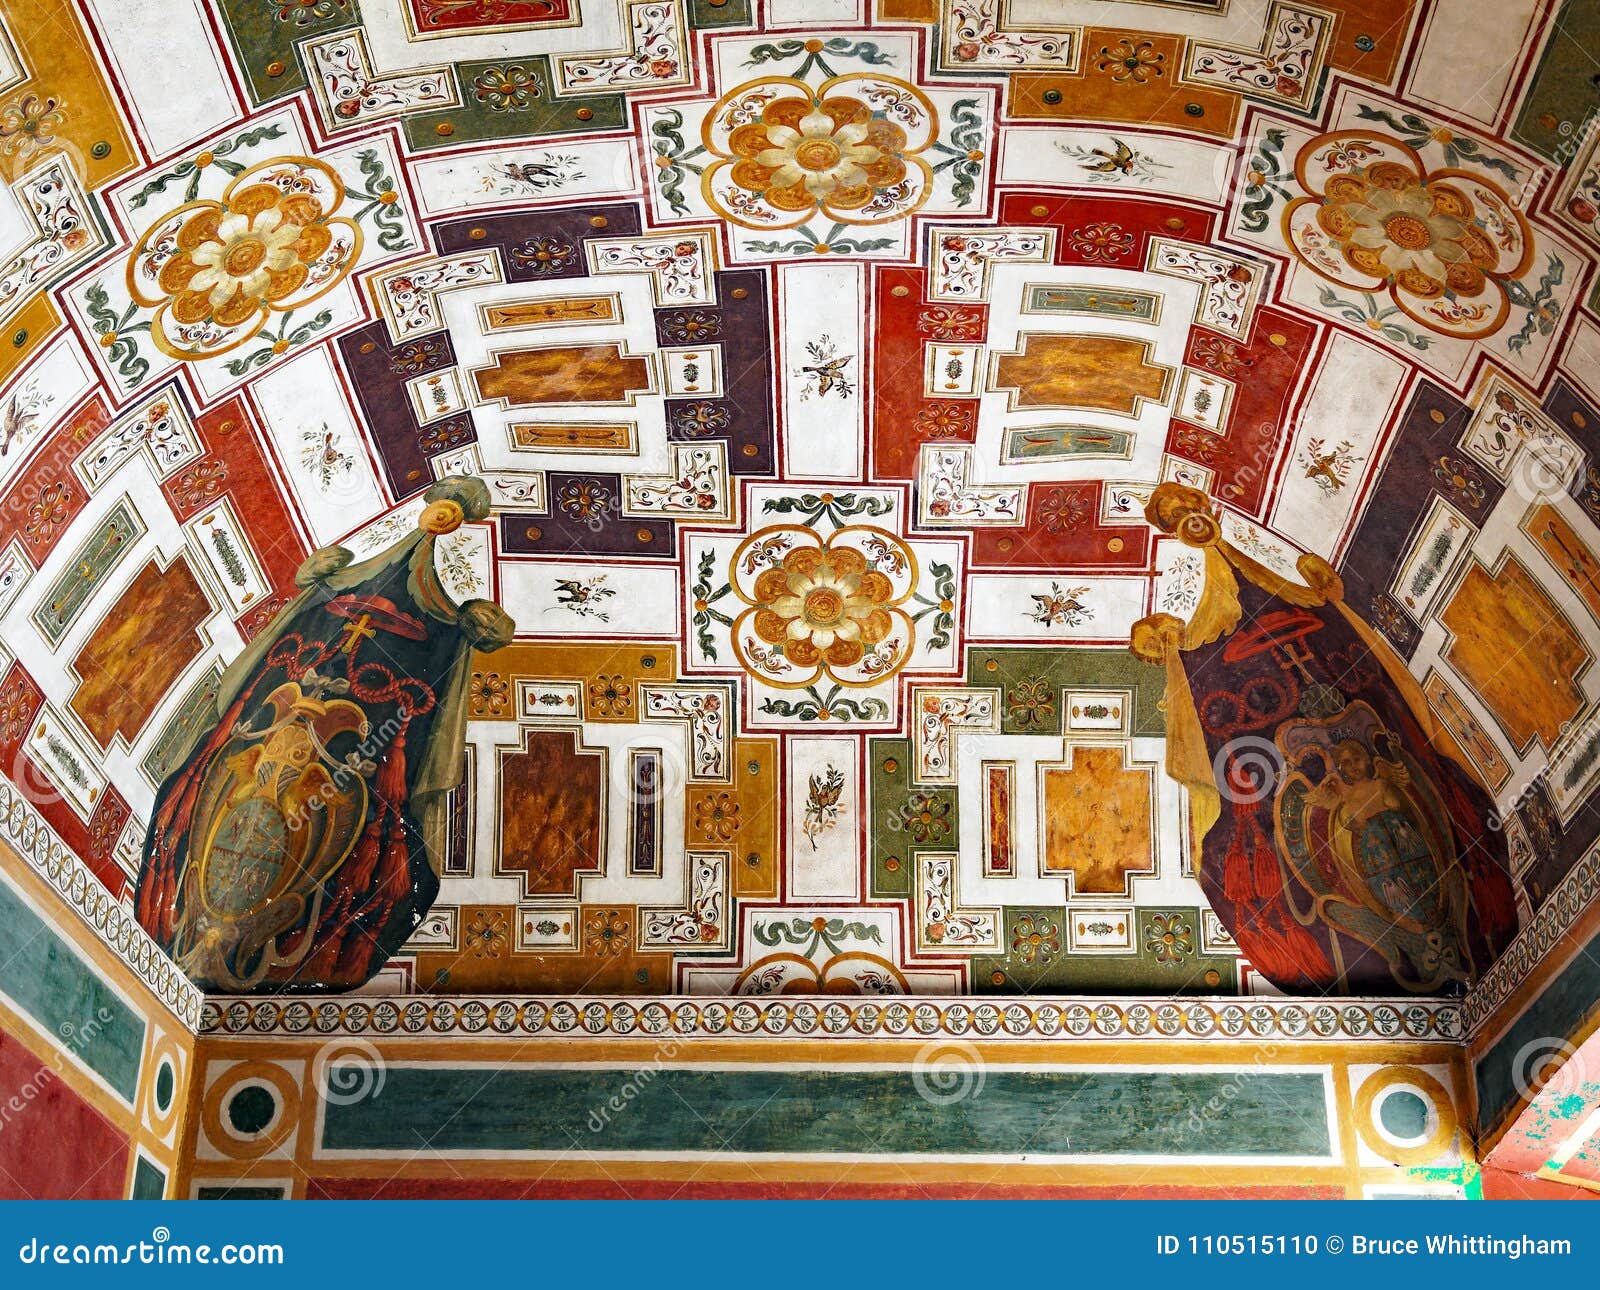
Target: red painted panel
(40, 506)
(53, 1144)
(1063, 529)
(236, 465)
(1079, 241)
(443, 17)
(1264, 372)
(96, 840)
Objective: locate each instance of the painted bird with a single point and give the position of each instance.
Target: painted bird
(1327, 469)
(15, 424)
(828, 371)
(1121, 161)
(536, 174)
(570, 591)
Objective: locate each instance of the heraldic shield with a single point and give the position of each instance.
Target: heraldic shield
(1367, 842)
(278, 813)
(297, 844)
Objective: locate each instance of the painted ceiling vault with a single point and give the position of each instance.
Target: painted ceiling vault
(837, 496)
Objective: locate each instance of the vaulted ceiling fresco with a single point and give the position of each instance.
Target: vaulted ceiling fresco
(807, 497)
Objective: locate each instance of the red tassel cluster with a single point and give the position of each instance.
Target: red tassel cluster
(1250, 871)
(1287, 954)
(372, 883)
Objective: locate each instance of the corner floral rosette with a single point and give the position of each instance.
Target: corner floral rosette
(1443, 243)
(823, 606)
(215, 270)
(847, 149)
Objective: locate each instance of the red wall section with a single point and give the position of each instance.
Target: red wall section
(53, 1144)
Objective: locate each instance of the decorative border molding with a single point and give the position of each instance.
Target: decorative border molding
(915, 1019)
(32, 838)
(1573, 896)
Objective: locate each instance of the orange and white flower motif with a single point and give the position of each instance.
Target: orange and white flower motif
(846, 149)
(1443, 243)
(823, 606)
(214, 271)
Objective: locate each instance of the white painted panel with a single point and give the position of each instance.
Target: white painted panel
(1240, 22)
(34, 404)
(1056, 158)
(324, 457)
(1344, 414)
(1582, 359)
(646, 602)
(813, 13)
(821, 306)
(557, 171)
(170, 69)
(1042, 606)
(16, 229)
(1467, 53)
(823, 843)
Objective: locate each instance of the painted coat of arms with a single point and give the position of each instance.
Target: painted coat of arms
(295, 847)
(1367, 842)
(1340, 835)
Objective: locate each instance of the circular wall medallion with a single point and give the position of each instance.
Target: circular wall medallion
(165, 1084)
(250, 1108)
(1405, 1115)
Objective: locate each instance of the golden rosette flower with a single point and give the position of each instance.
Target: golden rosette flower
(1442, 243)
(215, 270)
(846, 149)
(823, 606)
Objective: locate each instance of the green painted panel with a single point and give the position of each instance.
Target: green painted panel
(79, 581)
(1561, 1011)
(1171, 1114)
(264, 37)
(45, 978)
(906, 817)
(1032, 680)
(164, 754)
(1556, 108)
(1166, 955)
(1046, 443)
(707, 15)
(149, 1181)
(241, 1192)
(1140, 306)
(510, 99)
